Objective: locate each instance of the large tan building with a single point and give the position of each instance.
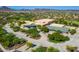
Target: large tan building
(43, 21)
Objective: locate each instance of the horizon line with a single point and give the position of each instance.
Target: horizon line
(44, 7)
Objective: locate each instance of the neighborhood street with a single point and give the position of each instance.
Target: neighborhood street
(43, 41)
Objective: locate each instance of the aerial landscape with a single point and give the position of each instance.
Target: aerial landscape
(39, 28)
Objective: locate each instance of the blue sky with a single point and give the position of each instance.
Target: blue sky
(46, 7)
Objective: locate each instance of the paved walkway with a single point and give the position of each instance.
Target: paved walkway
(43, 41)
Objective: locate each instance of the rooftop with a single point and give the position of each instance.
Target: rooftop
(43, 21)
(57, 25)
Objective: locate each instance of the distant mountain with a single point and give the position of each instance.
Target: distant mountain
(8, 9)
(4, 8)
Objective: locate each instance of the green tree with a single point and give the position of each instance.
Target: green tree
(29, 44)
(16, 28)
(33, 33)
(57, 38)
(40, 49)
(6, 44)
(72, 31)
(71, 48)
(44, 29)
(52, 49)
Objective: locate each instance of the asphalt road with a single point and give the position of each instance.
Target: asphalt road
(43, 41)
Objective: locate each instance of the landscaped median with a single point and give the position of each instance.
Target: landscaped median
(57, 38)
(33, 33)
(10, 41)
(45, 49)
